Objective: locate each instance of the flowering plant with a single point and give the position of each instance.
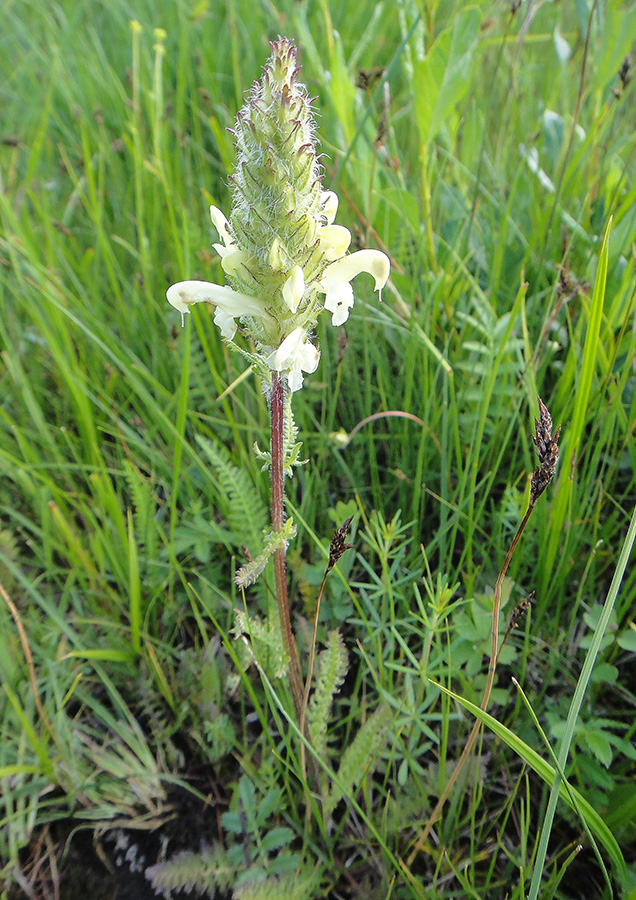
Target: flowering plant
(283, 257)
(285, 261)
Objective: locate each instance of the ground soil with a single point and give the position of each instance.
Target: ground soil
(81, 864)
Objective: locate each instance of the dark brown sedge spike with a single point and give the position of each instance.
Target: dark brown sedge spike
(547, 447)
(338, 544)
(625, 75)
(517, 614)
(520, 610)
(368, 78)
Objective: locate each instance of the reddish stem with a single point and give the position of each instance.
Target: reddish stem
(278, 521)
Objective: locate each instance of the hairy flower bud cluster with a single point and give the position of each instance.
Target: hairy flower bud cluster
(282, 256)
(278, 204)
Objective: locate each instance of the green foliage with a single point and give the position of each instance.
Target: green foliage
(330, 673)
(442, 78)
(256, 862)
(470, 649)
(204, 683)
(486, 154)
(208, 871)
(291, 445)
(248, 573)
(360, 757)
(266, 640)
(298, 885)
(240, 503)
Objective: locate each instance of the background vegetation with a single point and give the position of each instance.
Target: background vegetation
(485, 148)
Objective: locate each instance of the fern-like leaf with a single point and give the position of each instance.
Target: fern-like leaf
(254, 359)
(263, 456)
(211, 871)
(207, 871)
(248, 573)
(360, 757)
(145, 507)
(242, 505)
(295, 885)
(266, 640)
(291, 444)
(331, 670)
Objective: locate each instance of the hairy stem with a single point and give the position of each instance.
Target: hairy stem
(278, 521)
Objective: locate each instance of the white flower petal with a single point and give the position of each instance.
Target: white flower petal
(232, 260)
(336, 277)
(339, 301)
(295, 356)
(306, 361)
(309, 358)
(281, 358)
(334, 241)
(222, 226)
(229, 304)
(295, 379)
(374, 262)
(225, 322)
(294, 288)
(329, 203)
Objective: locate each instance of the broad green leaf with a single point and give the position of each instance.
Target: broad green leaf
(618, 32)
(627, 640)
(605, 673)
(441, 79)
(597, 742)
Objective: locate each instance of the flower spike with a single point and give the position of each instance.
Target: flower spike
(280, 250)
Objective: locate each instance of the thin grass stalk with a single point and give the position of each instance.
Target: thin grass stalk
(492, 667)
(337, 547)
(561, 774)
(29, 661)
(577, 701)
(310, 668)
(547, 449)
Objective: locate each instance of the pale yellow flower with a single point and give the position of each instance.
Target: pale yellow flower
(281, 250)
(228, 304)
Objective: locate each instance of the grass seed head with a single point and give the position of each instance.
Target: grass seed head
(547, 449)
(338, 544)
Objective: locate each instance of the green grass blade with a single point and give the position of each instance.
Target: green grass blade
(571, 440)
(573, 801)
(577, 702)
(134, 587)
(548, 774)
